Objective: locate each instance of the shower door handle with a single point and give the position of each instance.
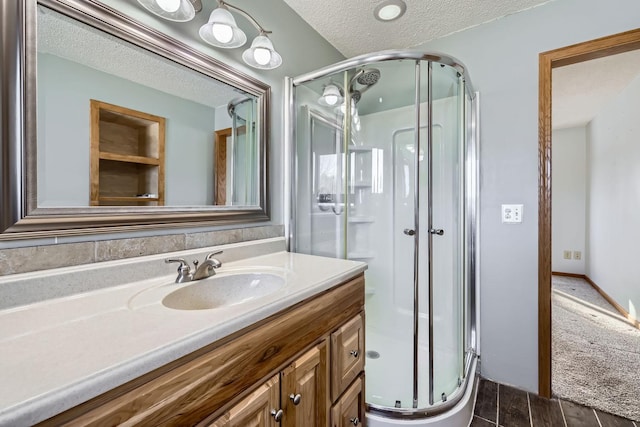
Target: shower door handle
(438, 231)
(409, 232)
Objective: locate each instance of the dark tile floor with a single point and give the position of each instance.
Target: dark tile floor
(501, 405)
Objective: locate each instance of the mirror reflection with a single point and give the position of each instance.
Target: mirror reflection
(121, 126)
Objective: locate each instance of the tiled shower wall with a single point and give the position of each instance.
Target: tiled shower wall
(23, 260)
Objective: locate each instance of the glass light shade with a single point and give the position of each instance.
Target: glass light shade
(222, 30)
(330, 96)
(171, 10)
(256, 56)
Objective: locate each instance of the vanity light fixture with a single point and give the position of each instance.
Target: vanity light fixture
(261, 54)
(330, 96)
(390, 10)
(221, 29)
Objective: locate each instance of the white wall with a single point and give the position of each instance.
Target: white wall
(568, 194)
(614, 199)
(502, 58)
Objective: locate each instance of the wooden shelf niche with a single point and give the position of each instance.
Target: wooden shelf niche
(127, 157)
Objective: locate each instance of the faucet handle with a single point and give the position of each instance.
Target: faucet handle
(212, 254)
(184, 271)
(183, 267)
(210, 257)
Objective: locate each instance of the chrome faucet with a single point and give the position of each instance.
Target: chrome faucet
(207, 269)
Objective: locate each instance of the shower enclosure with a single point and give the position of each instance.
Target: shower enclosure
(242, 162)
(383, 166)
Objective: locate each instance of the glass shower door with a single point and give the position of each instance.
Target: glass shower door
(321, 169)
(442, 213)
(382, 199)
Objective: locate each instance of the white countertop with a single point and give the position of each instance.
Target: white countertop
(59, 353)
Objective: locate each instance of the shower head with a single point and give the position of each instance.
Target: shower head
(368, 76)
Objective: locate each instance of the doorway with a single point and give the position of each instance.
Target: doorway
(594, 49)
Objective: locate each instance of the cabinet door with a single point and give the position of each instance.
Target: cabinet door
(349, 410)
(347, 360)
(305, 397)
(255, 409)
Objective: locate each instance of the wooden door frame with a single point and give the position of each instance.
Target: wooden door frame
(220, 165)
(598, 48)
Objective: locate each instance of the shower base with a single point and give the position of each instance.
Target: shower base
(458, 416)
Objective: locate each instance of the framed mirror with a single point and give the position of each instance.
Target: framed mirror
(108, 125)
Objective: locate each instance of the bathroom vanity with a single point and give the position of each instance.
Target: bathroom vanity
(119, 356)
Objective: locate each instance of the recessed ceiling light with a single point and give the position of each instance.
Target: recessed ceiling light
(390, 10)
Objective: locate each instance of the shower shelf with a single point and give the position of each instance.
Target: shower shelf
(359, 149)
(361, 219)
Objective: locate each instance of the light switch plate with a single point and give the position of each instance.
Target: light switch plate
(512, 214)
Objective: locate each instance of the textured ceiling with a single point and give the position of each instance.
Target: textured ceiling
(349, 25)
(63, 37)
(582, 90)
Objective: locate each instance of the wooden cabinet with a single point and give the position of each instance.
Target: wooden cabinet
(256, 409)
(349, 410)
(127, 157)
(305, 399)
(241, 379)
(347, 358)
(347, 373)
(301, 399)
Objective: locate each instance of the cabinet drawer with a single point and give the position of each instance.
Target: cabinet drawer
(254, 410)
(347, 358)
(349, 410)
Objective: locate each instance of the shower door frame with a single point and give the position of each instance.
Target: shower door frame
(470, 199)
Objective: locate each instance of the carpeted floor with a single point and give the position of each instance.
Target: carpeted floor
(596, 352)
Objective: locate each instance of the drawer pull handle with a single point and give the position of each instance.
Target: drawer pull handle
(277, 415)
(295, 398)
(354, 353)
(355, 421)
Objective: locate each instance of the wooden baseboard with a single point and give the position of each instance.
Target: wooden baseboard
(606, 296)
(578, 276)
(611, 301)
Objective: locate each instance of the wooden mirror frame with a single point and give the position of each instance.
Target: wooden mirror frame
(598, 48)
(20, 217)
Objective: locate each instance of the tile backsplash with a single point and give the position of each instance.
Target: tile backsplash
(28, 259)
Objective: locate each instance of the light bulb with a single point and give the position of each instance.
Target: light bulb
(262, 55)
(222, 32)
(331, 99)
(169, 5)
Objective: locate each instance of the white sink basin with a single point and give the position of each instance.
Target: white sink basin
(223, 291)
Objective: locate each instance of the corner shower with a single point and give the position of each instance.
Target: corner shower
(382, 162)
(242, 153)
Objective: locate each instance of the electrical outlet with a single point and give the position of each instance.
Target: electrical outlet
(567, 254)
(512, 214)
(577, 255)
